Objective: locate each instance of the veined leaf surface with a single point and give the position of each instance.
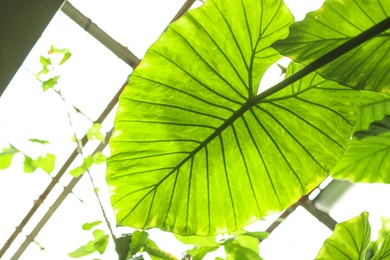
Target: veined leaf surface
(349, 240)
(384, 250)
(367, 157)
(195, 151)
(367, 66)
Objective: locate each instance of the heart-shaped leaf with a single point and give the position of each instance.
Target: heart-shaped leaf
(195, 151)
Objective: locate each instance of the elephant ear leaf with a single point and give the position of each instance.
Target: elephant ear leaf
(349, 240)
(336, 22)
(367, 156)
(196, 151)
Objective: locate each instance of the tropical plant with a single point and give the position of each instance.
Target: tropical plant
(201, 148)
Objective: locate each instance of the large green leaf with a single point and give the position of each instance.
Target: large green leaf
(366, 67)
(195, 151)
(349, 240)
(99, 244)
(367, 157)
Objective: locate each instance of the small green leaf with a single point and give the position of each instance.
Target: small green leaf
(66, 53)
(38, 141)
(98, 158)
(6, 157)
(198, 253)
(88, 226)
(155, 252)
(45, 163)
(94, 133)
(48, 84)
(234, 250)
(122, 246)
(82, 251)
(98, 244)
(384, 250)
(87, 163)
(45, 61)
(349, 240)
(101, 240)
(138, 241)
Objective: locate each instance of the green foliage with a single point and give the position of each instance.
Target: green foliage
(94, 133)
(48, 68)
(141, 243)
(34, 140)
(350, 240)
(240, 245)
(66, 53)
(366, 157)
(6, 157)
(383, 232)
(98, 244)
(89, 226)
(83, 168)
(48, 84)
(45, 163)
(96, 158)
(335, 23)
(203, 136)
(122, 246)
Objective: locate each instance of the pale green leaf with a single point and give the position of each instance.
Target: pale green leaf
(89, 226)
(98, 158)
(196, 151)
(48, 84)
(349, 240)
(38, 141)
(99, 244)
(6, 157)
(45, 163)
(65, 52)
(83, 168)
(94, 133)
(101, 240)
(336, 22)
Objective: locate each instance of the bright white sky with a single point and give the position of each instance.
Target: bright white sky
(88, 80)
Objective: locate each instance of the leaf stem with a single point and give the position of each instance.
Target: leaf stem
(80, 151)
(325, 59)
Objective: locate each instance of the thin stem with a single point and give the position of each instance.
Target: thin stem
(80, 151)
